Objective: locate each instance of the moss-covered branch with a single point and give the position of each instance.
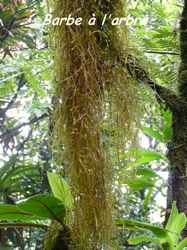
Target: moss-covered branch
(169, 97)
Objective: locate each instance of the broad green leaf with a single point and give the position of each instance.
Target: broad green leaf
(14, 213)
(145, 171)
(60, 189)
(138, 183)
(45, 206)
(38, 207)
(176, 224)
(154, 134)
(173, 215)
(142, 177)
(134, 225)
(168, 236)
(144, 156)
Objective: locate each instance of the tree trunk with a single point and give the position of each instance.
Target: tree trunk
(84, 58)
(177, 149)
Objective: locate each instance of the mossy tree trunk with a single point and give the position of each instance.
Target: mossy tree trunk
(85, 56)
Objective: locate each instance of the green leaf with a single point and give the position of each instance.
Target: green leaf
(143, 238)
(168, 236)
(145, 171)
(182, 244)
(173, 215)
(176, 224)
(167, 125)
(38, 207)
(141, 178)
(15, 174)
(144, 156)
(154, 134)
(14, 213)
(60, 189)
(45, 206)
(134, 225)
(147, 198)
(138, 183)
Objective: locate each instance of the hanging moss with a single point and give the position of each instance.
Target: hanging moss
(86, 72)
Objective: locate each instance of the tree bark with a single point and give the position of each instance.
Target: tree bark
(177, 149)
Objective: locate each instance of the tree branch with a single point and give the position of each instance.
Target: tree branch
(162, 52)
(163, 94)
(21, 145)
(15, 131)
